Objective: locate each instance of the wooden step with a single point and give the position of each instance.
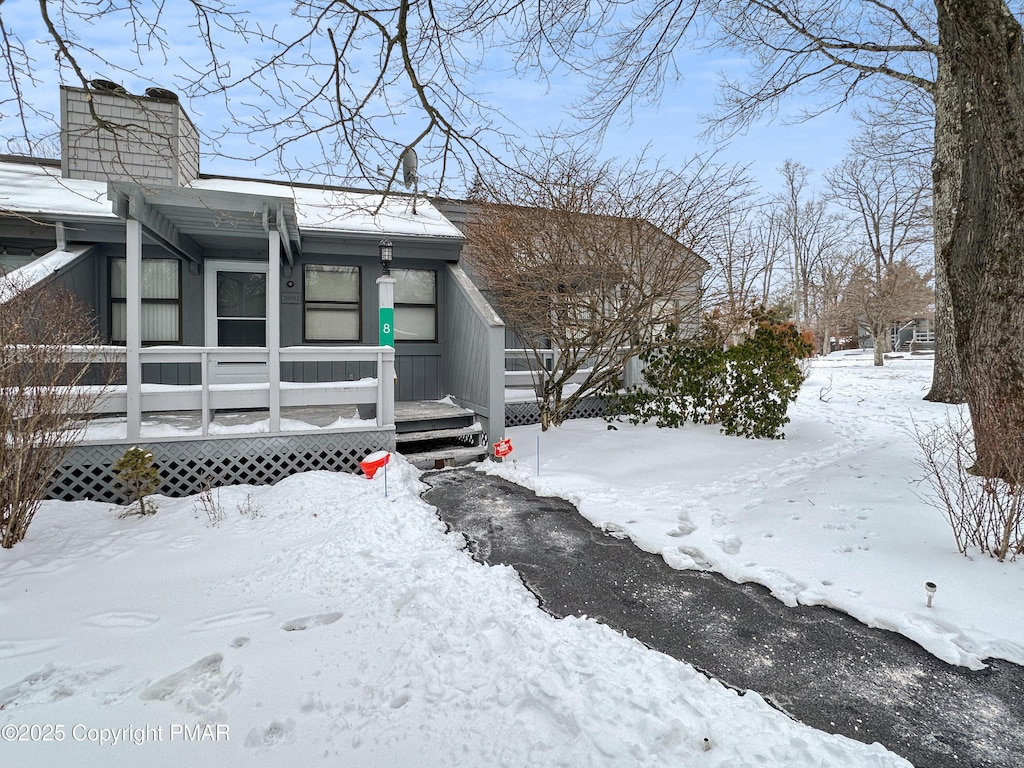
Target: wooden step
(446, 457)
(439, 434)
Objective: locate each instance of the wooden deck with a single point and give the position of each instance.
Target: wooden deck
(409, 416)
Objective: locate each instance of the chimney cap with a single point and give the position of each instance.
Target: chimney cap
(108, 85)
(161, 93)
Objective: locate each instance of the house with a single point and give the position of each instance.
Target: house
(227, 294)
(260, 327)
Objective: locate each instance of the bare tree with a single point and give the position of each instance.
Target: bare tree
(744, 247)
(827, 291)
(44, 336)
(899, 127)
(813, 233)
(898, 291)
(585, 263)
(890, 200)
(340, 90)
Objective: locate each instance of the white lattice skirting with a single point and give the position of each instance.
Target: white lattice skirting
(522, 413)
(187, 466)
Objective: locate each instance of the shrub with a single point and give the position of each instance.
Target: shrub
(746, 388)
(983, 512)
(47, 350)
(137, 474)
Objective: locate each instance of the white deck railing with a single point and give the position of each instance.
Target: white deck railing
(219, 391)
(528, 379)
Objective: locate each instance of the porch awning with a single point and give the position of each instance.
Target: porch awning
(188, 221)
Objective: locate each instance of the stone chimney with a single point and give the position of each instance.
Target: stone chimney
(146, 139)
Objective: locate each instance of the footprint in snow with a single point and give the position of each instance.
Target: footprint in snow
(51, 683)
(232, 619)
(306, 622)
(122, 620)
(199, 688)
(278, 732)
(729, 543)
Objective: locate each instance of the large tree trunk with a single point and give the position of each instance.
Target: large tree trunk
(979, 174)
(947, 380)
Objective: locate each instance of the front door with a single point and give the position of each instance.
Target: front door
(236, 315)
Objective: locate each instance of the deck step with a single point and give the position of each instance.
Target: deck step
(446, 457)
(439, 434)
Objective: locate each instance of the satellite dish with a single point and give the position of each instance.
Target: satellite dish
(409, 165)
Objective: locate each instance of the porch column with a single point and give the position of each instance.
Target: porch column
(133, 326)
(386, 338)
(274, 330)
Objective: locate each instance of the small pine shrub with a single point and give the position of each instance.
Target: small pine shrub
(746, 388)
(138, 476)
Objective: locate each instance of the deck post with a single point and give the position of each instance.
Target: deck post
(204, 380)
(386, 359)
(386, 387)
(133, 326)
(274, 331)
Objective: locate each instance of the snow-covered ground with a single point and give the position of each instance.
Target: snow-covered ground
(322, 622)
(832, 515)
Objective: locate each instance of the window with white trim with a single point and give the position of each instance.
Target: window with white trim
(161, 301)
(415, 304)
(332, 305)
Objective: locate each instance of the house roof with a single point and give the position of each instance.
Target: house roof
(36, 188)
(30, 188)
(458, 211)
(331, 209)
(39, 270)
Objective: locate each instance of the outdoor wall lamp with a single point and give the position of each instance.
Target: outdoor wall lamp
(387, 253)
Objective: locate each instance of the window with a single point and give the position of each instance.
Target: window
(332, 311)
(161, 301)
(415, 305)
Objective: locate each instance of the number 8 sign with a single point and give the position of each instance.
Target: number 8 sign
(387, 327)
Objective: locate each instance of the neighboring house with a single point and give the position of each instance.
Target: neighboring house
(680, 305)
(914, 335)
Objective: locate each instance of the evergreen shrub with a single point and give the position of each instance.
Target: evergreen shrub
(746, 388)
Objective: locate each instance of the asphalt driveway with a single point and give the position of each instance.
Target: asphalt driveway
(818, 665)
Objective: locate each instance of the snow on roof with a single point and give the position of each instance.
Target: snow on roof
(34, 189)
(36, 271)
(336, 210)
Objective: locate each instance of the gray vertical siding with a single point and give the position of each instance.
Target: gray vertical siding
(419, 376)
(474, 340)
(81, 277)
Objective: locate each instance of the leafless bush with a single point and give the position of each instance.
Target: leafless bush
(250, 508)
(984, 512)
(209, 502)
(46, 358)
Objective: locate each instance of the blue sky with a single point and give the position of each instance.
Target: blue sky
(668, 130)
